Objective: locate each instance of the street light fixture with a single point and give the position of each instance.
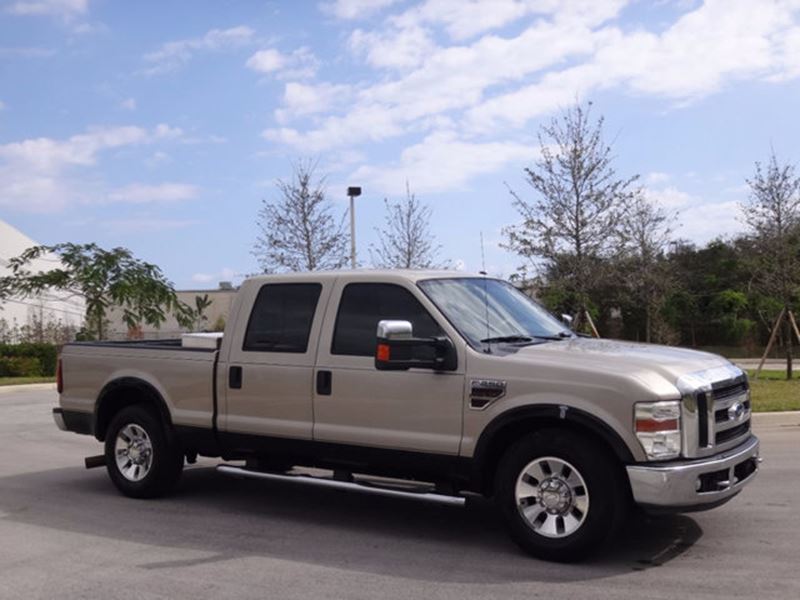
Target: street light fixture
(353, 192)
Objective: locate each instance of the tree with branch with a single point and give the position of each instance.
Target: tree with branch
(647, 230)
(298, 231)
(573, 225)
(103, 278)
(772, 216)
(405, 241)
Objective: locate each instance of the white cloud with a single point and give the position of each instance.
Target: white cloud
(266, 61)
(65, 9)
(354, 9)
(299, 64)
(40, 174)
(441, 162)
(128, 104)
(699, 221)
(499, 84)
(670, 197)
(140, 193)
(172, 55)
(300, 99)
(399, 48)
(656, 177)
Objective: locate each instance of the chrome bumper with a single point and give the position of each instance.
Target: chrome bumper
(58, 417)
(696, 484)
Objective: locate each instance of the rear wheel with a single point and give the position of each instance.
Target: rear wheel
(142, 459)
(560, 495)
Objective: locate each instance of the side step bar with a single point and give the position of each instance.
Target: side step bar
(366, 487)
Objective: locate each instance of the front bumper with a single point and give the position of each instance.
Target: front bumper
(696, 484)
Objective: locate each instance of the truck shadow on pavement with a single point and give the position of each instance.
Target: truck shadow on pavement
(225, 518)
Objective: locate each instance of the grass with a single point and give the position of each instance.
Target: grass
(773, 392)
(24, 380)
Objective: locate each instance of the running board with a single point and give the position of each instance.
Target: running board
(365, 487)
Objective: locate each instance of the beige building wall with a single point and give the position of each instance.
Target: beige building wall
(221, 302)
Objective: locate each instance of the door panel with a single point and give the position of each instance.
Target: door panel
(416, 410)
(275, 353)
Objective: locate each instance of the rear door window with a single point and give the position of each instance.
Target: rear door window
(282, 317)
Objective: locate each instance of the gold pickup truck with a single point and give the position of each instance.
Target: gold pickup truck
(460, 384)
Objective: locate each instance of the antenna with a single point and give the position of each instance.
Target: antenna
(485, 297)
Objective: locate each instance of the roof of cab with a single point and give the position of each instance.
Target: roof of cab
(376, 275)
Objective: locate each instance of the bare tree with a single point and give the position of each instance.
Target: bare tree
(405, 241)
(647, 231)
(772, 215)
(575, 221)
(298, 231)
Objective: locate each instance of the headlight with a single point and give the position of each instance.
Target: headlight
(658, 427)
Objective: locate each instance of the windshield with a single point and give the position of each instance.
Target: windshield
(490, 310)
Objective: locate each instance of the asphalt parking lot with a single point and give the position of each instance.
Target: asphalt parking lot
(66, 533)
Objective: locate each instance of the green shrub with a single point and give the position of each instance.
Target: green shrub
(46, 356)
(20, 366)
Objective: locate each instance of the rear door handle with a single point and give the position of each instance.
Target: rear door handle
(235, 378)
(324, 383)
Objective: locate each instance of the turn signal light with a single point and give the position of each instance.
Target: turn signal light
(383, 353)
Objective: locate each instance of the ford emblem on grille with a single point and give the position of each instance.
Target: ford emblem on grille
(736, 411)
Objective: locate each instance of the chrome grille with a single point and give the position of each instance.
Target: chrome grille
(716, 410)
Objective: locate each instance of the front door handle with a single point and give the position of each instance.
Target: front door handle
(324, 383)
(235, 378)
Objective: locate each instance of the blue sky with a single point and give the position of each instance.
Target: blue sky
(161, 126)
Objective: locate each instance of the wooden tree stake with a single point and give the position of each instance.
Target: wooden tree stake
(591, 324)
(772, 337)
(794, 325)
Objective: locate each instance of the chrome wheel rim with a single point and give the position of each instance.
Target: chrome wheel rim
(552, 497)
(133, 451)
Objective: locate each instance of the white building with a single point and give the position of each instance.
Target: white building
(52, 307)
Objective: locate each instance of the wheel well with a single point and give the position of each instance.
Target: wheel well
(122, 393)
(489, 452)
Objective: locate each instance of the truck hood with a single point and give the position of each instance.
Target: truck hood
(629, 358)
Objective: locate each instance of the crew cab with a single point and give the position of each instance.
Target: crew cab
(460, 384)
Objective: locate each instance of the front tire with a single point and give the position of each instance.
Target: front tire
(142, 458)
(560, 495)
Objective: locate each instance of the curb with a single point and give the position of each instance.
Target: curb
(27, 386)
(777, 419)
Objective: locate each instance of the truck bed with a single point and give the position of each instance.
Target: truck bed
(184, 377)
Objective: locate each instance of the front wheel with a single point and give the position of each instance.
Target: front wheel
(560, 494)
(142, 459)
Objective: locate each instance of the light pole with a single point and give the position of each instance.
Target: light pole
(353, 192)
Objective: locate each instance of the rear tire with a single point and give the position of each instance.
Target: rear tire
(142, 458)
(560, 495)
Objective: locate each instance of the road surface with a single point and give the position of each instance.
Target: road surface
(66, 533)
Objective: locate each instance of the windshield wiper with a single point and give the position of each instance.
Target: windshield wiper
(507, 339)
(562, 335)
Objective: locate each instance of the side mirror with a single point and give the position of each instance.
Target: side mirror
(567, 320)
(398, 350)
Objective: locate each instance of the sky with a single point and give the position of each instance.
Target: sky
(163, 126)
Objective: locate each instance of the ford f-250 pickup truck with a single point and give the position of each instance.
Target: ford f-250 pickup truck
(460, 383)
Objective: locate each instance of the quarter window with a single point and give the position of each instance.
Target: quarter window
(282, 317)
(364, 304)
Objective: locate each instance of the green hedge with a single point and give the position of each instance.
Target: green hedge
(44, 355)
